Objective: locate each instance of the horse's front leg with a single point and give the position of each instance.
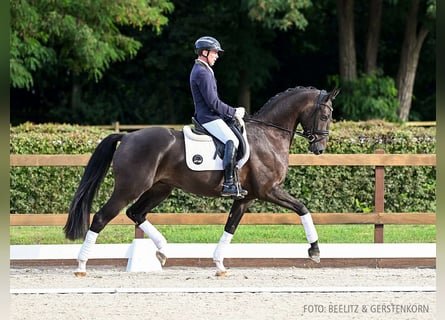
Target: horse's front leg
(280, 197)
(235, 215)
(311, 236)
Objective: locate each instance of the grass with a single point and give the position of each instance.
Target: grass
(244, 234)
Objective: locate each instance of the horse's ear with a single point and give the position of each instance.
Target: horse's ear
(333, 94)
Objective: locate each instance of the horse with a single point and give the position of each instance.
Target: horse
(149, 163)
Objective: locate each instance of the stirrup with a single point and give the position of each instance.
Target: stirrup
(241, 191)
(231, 190)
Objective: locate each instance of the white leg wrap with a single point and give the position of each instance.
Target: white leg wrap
(84, 253)
(88, 243)
(82, 267)
(220, 250)
(153, 233)
(309, 228)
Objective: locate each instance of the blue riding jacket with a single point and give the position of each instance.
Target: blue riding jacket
(208, 106)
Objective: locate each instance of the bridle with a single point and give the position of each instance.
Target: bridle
(310, 135)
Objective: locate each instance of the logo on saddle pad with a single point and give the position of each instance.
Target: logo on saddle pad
(201, 153)
(197, 159)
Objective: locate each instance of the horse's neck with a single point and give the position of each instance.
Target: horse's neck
(275, 130)
(268, 140)
(284, 113)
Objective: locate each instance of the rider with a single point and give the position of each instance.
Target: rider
(212, 113)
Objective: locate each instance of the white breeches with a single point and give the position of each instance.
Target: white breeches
(221, 131)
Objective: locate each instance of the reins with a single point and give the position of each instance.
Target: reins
(270, 124)
(310, 135)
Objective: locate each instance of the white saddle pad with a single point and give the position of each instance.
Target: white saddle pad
(200, 152)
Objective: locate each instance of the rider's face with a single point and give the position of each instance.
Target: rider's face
(212, 57)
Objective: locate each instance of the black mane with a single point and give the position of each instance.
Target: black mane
(282, 94)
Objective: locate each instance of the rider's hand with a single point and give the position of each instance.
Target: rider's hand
(239, 113)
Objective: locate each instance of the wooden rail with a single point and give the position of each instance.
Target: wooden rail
(118, 127)
(70, 160)
(421, 123)
(248, 219)
(379, 218)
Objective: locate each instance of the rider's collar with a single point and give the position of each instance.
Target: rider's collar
(205, 64)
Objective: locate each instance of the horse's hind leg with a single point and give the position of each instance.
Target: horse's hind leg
(110, 210)
(137, 212)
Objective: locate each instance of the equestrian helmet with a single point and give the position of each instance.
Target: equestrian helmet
(207, 43)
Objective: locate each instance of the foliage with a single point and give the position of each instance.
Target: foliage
(81, 36)
(369, 97)
(152, 87)
(27, 54)
(282, 14)
(323, 189)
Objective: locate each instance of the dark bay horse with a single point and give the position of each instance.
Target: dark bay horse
(149, 163)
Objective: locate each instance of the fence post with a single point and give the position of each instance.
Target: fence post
(116, 126)
(138, 233)
(379, 198)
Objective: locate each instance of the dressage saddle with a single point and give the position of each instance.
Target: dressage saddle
(237, 129)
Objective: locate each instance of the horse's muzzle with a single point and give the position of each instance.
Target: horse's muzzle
(316, 148)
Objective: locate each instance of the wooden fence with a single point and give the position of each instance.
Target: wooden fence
(118, 127)
(378, 218)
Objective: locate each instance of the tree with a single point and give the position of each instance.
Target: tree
(346, 40)
(79, 36)
(260, 60)
(366, 94)
(420, 16)
(283, 15)
(27, 53)
(418, 25)
(373, 36)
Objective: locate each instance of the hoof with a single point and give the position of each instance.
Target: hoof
(80, 274)
(221, 273)
(315, 259)
(314, 255)
(161, 257)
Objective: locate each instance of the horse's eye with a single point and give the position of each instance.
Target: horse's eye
(324, 118)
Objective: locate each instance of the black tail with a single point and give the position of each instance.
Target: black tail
(78, 220)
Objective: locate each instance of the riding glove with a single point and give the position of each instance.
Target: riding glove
(239, 113)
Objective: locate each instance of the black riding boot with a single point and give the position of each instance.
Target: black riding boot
(231, 185)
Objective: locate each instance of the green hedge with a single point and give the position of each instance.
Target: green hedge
(322, 189)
